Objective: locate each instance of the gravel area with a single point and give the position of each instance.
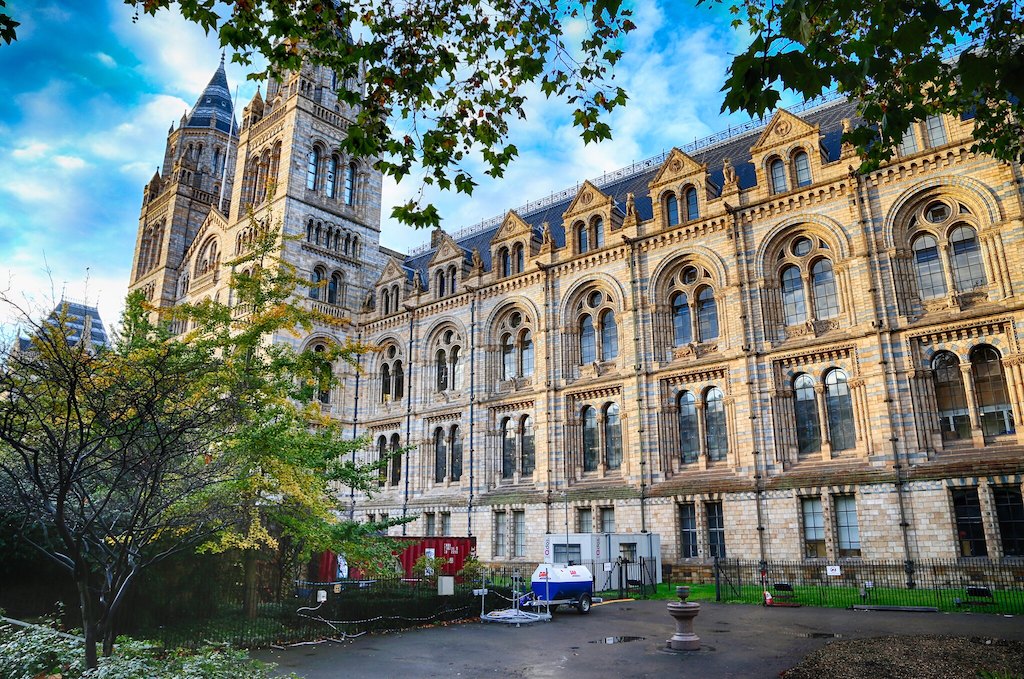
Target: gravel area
(921, 657)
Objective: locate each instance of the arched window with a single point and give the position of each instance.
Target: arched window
(612, 437)
(802, 168)
(508, 357)
(707, 314)
(526, 353)
(451, 280)
(671, 209)
(793, 307)
(590, 450)
(399, 379)
(350, 184)
(808, 429)
(714, 424)
(312, 168)
(609, 336)
(440, 456)
(396, 460)
(455, 436)
(332, 172)
(682, 333)
(581, 237)
(506, 262)
(689, 435)
(385, 383)
(588, 341)
(385, 302)
(990, 387)
(931, 280)
(517, 258)
(457, 366)
(597, 231)
(823, 287)
(382, 453)
(968, 271)
(526, 445)
(441, 364)
(508, 449)
(777, 173)
(334, 289)
(692, 210)
(324, 393)
(440, 283)
(839, 407)
(950, 397)
(318, 281)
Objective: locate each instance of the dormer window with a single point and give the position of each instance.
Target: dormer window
(777, 175)
(802, 169)
(692, 211)
(936, 130)
(671, 209)
(312, 168)
(581, 237)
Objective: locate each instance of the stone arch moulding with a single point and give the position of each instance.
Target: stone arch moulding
(438, 325)
(820, 224)
(599, 279)
(970, 191)
(384, 340)
(699, 253)
(319, 337)
(507, 304)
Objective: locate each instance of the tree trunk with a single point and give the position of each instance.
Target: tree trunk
(250, 561)
(88, 620)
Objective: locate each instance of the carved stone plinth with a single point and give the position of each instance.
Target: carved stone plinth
(683, 612)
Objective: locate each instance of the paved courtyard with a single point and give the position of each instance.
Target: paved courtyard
(622, 639)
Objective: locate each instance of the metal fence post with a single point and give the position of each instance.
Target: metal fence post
(718, 581)
(908, 568)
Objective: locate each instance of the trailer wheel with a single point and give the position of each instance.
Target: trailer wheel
(583, 605)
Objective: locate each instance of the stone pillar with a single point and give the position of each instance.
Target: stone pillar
(977, 437)
(826, 441)
(702, 458)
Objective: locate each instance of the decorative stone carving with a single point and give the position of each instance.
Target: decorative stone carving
(630, 205)
(729, 174)
(478, 261)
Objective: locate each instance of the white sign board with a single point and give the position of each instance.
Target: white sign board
(833, 570)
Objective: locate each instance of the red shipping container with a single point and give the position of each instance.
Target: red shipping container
(454, 550)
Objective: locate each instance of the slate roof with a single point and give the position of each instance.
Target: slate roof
(214, 102)
(735, 148)
(75, 321)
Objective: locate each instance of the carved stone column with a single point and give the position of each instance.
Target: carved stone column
(1012, 370)
(702, 458)
(826, 435)
(977, 436)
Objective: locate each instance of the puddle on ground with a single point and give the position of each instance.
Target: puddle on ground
(821, 635)
(617, 640)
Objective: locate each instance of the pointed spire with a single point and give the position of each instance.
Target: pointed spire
(213, 107)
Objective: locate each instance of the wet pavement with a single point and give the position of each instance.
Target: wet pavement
(622, 639)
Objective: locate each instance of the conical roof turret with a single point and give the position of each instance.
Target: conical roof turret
(214, 108)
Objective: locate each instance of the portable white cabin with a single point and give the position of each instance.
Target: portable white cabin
(610, 556)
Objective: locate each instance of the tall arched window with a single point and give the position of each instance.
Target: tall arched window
(707, 314)
(990, 387)
(517, 258)
(506, 262)
(689, 434)
(808, 429)
(318, 282)
(714, 424)
(612, 437)
(581, 237)
(931, 280)
(439, 281)
(312, 168)
(671, 209)
(385, 302)
(597, 231)
(802, 168)
(398, 376)
(590, 449)
(681, 331)
(526, 353)
(508, 357)
(839, 407)
(440, 456)
(385, 383)
(457, 367)
(332, 173)
(793, 307)
(968, 271)
(441, 365)
(823, 286)
(350, 184)
(777, 173)
(588, 341)
(950, 397)
(455, 436)
(396, 460)
(609, 336)
(324, 392)
(382, 453)
(334, 289)
(508, 449)
(526, 445)
(692, 209)
(451, 279)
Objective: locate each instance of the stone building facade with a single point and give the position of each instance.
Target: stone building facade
(744, 346)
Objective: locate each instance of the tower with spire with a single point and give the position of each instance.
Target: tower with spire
(197, 169)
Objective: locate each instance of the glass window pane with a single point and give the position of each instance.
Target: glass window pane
(839, 407)
(714, 424)
(814, 528)
(936, 130)
(440, 456)
(312, 163)
(692, 210)
(778, 176)
(681, 330)
(990, 387)
(399, 379)
(529, 454)
(612, 437)
(526, 349)
(950, 398)
(508, 449)
(508, 365)
(823, 285)
(687, 530)
(519, 533)
(590, 451)
(707, 315)
(803, 169)
(970, 531)
(793, 306)
(609, 336)
(456, 444)
(350, 184)
(909, 144)
(500, 530)
(968, 271)
(584, 521)
(847, 529)
(672, 209)
(588, 340)
(332, 172)
(689, 443)
(607, 519)
(805, 406)
(581, 237)
(396, 460)
(441, 364)
(597, 228)
(1010, 513)
(928, 265)
(716, 529)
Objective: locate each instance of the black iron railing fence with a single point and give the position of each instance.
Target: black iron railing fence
(948, 585)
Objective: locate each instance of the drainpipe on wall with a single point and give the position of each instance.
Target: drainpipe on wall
(355, 423)
(472, 402)
(408, 422)
(638, 369)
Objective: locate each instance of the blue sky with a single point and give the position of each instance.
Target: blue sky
(87, 95)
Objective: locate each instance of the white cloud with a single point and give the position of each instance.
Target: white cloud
(33, 151)
(106, 60)
(30, 189)
(69, 162)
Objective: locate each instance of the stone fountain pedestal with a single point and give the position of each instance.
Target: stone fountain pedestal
(683, 612)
